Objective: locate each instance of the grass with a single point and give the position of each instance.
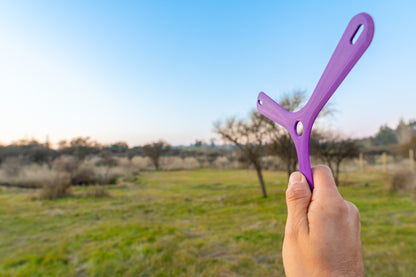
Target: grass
(188, 223)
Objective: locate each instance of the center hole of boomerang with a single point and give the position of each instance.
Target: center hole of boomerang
(299, 128)
(357, 34)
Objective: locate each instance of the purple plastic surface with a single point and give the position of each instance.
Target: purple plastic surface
(346, 54)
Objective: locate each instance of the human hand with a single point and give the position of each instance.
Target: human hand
(322, 235)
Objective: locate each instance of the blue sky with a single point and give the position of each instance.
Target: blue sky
(143, 70)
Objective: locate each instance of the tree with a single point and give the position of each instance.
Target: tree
(404, 131)
(282, 144)
(119, 148)
(250, 137)
(385, 136)
(108, 160)
(211, 156)
(80, 147)
(332, 149)
(134, 151)
(29, 151)
(155, 150)
(405, 147)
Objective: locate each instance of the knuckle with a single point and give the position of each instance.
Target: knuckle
(338, 209)
(293, 229)
(295, 193)
(353, 210)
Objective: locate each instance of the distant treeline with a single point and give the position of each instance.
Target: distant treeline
(252, 143)
(33, 151)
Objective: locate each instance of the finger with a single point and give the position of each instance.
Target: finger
(298, 197)
(324, 183)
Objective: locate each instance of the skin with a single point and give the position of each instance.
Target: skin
(322, 235)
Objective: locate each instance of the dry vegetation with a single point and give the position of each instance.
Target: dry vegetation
(402, 180)
(55, 180)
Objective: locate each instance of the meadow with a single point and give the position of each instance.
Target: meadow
(202, 222)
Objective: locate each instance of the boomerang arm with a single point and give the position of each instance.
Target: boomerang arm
(347, 53)
(272, 110)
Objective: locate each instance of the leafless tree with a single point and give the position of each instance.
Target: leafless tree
(282, 144)
(333, 150)
(155, 150)
(250, 137)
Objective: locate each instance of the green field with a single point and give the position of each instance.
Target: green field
(188, 223)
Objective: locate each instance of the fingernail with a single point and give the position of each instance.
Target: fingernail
(295, 177)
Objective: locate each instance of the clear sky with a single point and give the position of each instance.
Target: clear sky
(138, 71)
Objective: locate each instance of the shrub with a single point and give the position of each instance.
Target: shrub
(92, 171)
(171, 163)
(66, 163)
(401, 180)
(29, 176)
(221, 163)
(79, 173)
(177, 163)
(11, 166)
(142, 163)
(84, 175)
(125, 168)
(104, 176)
(191, 163)
(96, 191)
(58, 186)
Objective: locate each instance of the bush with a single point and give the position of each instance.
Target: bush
(401, 180)
(177, 163)
(104, 176)
(58, 186)
(142, 163)
(84, 175)
(92, 171)
(96, 191)
(11, 166)
(125, 168)
(171, 163)
(221, 163)
(79, 173)
(29, 176)
(66, 163)
(191, 163)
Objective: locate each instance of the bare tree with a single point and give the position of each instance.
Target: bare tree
(80, 147)
(250, 137)
(282, 144)
(155, 150)
(333, 149)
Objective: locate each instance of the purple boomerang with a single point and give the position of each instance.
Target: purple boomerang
(348, 52)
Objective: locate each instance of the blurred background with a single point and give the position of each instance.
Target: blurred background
(130, 139)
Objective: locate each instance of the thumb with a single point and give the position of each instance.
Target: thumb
(298, 197)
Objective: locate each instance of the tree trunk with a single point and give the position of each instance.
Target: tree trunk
(262, 185)
(294, 164)
(337, 174)
(289, 169)
(156, 163)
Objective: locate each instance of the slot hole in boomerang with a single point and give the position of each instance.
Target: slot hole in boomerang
(299, 128)
(357, 34)
(260, 102)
